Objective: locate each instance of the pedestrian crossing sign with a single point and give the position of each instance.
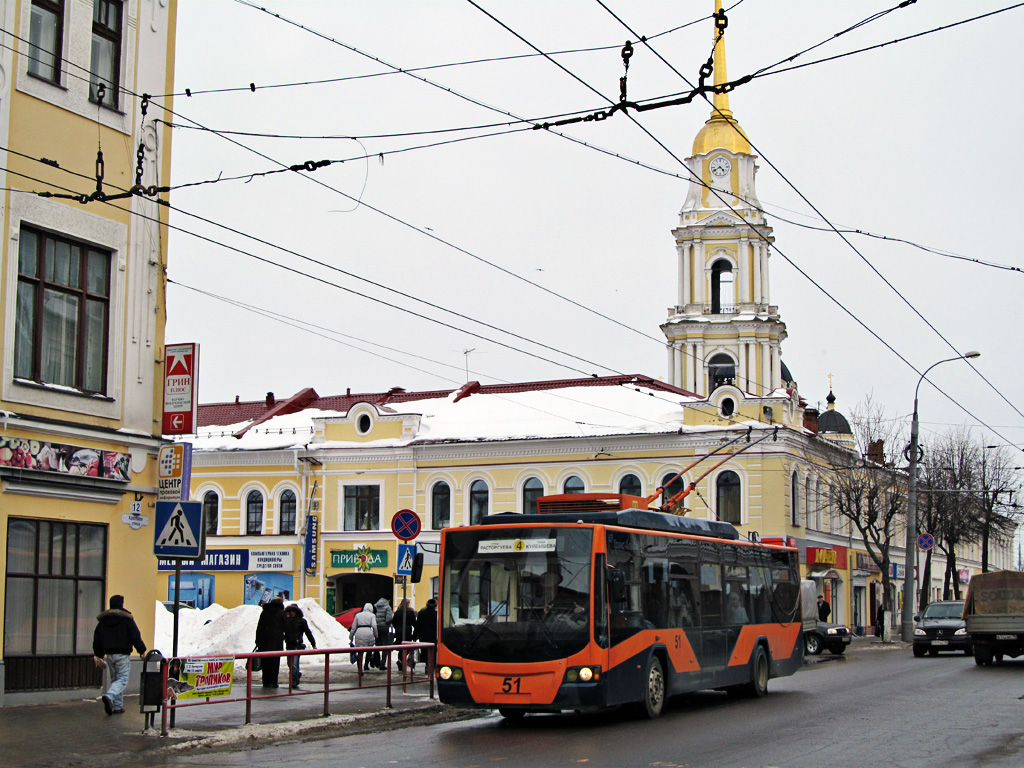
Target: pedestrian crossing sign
(406, 557)
(179, 533)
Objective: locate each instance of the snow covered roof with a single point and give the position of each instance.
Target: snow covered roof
(599, 406)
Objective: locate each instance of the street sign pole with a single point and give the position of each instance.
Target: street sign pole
(174, 640)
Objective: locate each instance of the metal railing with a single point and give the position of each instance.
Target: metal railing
(408, 649)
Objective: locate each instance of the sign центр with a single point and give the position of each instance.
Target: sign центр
(174, 472)
(181, 369)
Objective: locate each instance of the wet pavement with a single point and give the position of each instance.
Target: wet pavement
(80, 733)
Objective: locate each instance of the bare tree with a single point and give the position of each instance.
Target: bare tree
(869, 491)
(997, 483)
(952, 464)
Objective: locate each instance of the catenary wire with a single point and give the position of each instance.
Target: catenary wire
(846, 240)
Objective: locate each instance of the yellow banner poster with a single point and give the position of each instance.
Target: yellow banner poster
(204, 677)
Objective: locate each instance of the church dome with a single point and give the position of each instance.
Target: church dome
(832, 421)
(721, 133)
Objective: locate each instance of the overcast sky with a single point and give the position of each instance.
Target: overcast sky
(564, 238)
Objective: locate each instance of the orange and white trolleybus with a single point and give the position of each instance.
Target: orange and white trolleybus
(597, 601)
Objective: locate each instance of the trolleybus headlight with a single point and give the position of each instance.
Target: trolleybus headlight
(582, 674)
(449, 673)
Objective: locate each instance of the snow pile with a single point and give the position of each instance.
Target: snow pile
(218, 631)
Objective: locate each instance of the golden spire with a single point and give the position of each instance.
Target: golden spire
(720, 100)
(721, 131)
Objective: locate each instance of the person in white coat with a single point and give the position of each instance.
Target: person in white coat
(363, 633)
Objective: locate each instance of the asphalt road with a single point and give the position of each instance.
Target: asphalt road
(876, 707)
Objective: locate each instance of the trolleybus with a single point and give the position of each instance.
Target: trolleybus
(597, 601)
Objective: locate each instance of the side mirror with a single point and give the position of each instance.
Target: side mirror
(417, 568)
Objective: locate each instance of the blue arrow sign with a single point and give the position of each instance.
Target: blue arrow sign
(179, 533)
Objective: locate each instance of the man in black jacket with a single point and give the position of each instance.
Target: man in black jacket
(295, 628)
(426, 629)
(115, 636)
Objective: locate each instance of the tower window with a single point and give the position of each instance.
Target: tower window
(723, 289)
(721, 370)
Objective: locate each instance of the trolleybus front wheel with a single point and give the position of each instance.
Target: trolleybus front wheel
(654, 688)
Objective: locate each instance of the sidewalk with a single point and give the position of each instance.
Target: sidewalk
(80, 733)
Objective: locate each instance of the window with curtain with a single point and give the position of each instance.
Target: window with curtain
(630, 485)
(45, 38)
(727, 496)
(287, 510)
(254, 513)
(479, 501)
(106, 52)
(362, 507)
(56, 580)
(211, 511)
(573, 484)
(62, 312)
(532, 488)
(440, 506)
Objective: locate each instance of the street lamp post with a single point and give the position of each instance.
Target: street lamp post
(909, 588)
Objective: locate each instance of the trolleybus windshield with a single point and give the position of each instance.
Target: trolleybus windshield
(517, 595)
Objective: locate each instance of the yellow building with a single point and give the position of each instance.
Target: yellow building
(83, 328)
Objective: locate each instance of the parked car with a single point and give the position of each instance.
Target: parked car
(834, 638)
(345, 618)
(819, 635)
(941, 628)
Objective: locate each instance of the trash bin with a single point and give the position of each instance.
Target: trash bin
(151, 686)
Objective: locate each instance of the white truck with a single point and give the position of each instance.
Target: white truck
(994, 615)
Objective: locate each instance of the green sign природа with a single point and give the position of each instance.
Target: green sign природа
(362, 559)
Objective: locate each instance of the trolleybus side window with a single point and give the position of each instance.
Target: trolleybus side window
(711, 594)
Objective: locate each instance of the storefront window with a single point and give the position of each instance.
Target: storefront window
(54, 588)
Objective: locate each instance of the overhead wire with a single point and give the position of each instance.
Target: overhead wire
(368, 297)
(247, 3)
(846, 240)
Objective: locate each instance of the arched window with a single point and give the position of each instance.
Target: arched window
(532, 488)
(727, 496)
(254, 513)
(573, 484)
(211, 509)
(287, 511)
(671, 487)
(479, 501)
(794, 494)
(630, 485)
(721, 370)
(441, 506)
(723, 289)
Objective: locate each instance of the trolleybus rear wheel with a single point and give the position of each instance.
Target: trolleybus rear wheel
(758, 685)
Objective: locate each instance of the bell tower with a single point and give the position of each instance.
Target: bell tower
(723, 329)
